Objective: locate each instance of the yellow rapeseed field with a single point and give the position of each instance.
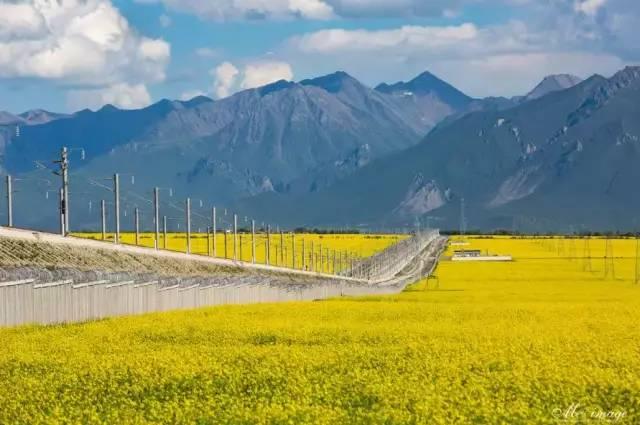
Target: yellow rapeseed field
(281, 247)
(545, 339)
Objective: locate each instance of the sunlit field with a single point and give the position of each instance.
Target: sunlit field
(282, 248)
(549, 338)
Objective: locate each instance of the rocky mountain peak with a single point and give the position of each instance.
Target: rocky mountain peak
(553, 83)
(427, 84)
(333, 83)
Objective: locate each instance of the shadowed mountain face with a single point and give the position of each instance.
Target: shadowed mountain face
(285, 137)
(567, 159)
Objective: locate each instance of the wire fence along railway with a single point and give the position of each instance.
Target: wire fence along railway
(155, 216)
(224, 257)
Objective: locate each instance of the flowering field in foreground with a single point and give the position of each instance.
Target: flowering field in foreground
(539, 340)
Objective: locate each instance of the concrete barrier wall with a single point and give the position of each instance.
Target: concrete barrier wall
(45, 279)
(63, 302)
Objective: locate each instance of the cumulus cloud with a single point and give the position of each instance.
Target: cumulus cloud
(121, 95)
(263, 73)
(224, 79)
(511, 57)
(311, 9)
(221, 10)
(79, 42)
(190, 94)
(228, 79)
(589, 7)
(426, 37)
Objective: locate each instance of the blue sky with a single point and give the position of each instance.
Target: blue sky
(85, 53)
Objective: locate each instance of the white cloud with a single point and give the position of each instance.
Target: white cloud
(228, 79)
(408, 36)
(517, 73)
(164, 20)
(190, 94)
(82, 42)
(262, 73)
(207, 52)
(221, 10)
(20, 21)
(121, 95)
(495, 60)
(589, 7)
(224, 79)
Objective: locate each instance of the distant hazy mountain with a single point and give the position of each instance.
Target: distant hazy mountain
(565, 160)
(551, 84)
(33, 117)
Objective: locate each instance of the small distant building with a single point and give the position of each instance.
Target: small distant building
(476, 255)
(468, 253)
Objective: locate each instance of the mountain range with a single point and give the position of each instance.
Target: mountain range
(567, 160)
(330, 150)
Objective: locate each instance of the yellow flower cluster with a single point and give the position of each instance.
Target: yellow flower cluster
(544, 339)
(281, 247)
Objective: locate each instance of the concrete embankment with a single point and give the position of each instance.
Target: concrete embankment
(49, 279)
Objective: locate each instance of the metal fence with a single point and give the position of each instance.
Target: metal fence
(25, 301)
(33, 290)
(107, 204)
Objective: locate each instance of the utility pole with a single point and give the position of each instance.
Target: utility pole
(156, 216)
(188, 225)
(253, 241)
(164, 232)
(304, 261)
(116, 194)
(209, 241)
(334, 261)
(60, 206)
(214, 229)
(235, 236)
(225, 245)
(9, 202)
(136, 213)
(268, 244)
(103, 214)
(282, 248)
(463, 219)
(293, 250)
(64, 170)
(266, 251)
(312, 263)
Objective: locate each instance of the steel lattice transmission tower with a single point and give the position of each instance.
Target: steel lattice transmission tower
(463, 218)
(609, 266)
(586, 255)
(572, 249)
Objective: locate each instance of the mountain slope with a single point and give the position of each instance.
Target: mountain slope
(566, 159)
(551, 84)
(283, 137)
(428, 99)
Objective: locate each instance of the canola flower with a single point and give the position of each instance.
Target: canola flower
(540, 340)
(281, 248)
